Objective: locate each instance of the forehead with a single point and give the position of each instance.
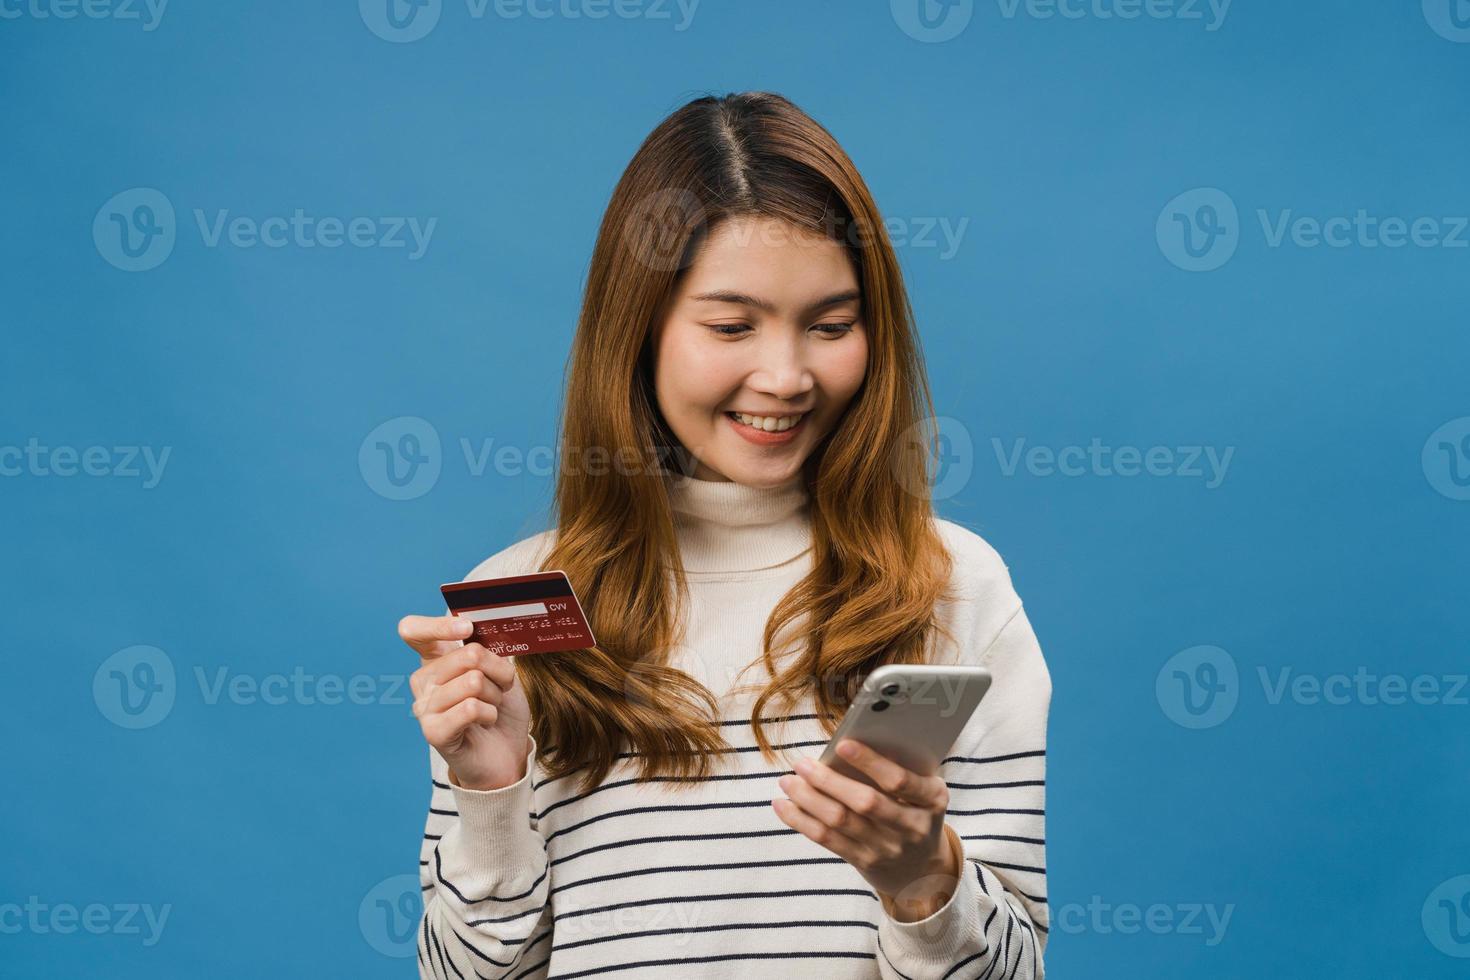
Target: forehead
(769, 257)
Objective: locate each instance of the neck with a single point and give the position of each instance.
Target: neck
(724, 526)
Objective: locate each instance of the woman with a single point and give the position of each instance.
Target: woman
(634, 807)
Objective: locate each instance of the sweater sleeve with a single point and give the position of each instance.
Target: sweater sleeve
(485, 876)
(994, 925)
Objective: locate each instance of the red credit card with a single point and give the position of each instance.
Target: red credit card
(519, 614)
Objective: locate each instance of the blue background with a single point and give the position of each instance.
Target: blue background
(1061, 318)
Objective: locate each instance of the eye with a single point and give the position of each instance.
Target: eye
(835, 329)
(728, 329)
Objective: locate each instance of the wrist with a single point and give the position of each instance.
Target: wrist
(491, 782)
(934, 886)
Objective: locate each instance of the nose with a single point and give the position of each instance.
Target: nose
(781, 370)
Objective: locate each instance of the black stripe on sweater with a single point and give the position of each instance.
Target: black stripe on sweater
(796, 924)
(611, 845)
(719, 897)
(439, 873)
(618, 875)
(719, 959)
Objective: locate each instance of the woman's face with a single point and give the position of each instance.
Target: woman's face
(767, 323)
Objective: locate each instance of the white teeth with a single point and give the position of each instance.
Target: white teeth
(769, 423)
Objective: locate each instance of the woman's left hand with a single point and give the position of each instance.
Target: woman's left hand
(895, 837)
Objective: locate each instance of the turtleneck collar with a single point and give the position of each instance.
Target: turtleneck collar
(724, 526)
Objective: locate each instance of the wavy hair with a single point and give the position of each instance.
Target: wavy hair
(879, 565)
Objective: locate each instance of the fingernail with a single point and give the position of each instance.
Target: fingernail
(847, 749)
(784, 782)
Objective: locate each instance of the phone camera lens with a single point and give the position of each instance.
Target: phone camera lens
(889, 690)
(880, 705)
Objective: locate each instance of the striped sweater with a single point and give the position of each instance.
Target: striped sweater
(684, 879)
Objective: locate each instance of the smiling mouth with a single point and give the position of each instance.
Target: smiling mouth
(768, 423)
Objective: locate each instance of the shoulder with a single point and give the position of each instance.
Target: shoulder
(982, 601)
(979, 573)
(521, 558)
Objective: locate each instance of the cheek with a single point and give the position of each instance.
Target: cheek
(692, 377)
(843, 371)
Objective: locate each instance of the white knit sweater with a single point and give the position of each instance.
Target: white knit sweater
(701, 879)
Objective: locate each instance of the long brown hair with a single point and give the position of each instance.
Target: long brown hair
(878, 563)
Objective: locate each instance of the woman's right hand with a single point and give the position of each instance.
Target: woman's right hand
(468, 703)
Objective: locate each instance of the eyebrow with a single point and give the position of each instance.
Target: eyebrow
(744, 299)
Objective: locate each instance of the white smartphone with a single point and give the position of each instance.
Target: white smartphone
(911, 713)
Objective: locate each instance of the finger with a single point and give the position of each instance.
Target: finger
(818, 832)
(470, 684)
(892, 778)
(444, 727)
(470, 657)
(430, 635)
(859, 797)
(831, 812)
